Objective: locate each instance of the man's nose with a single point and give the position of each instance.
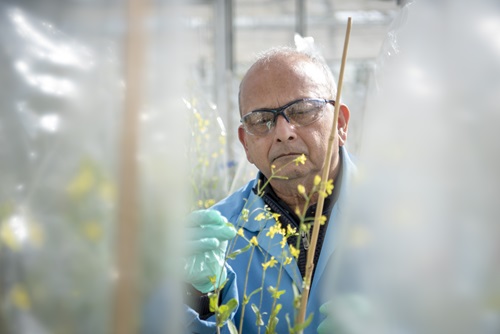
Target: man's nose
(283, 130)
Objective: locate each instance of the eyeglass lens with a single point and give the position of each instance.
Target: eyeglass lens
(299, 113)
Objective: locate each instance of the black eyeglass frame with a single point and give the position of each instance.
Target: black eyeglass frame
(281, 111)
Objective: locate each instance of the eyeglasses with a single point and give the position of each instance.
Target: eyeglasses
(299, 113)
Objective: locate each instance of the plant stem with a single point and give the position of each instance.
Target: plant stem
(245, 292)
(326, 169)
(271, 319)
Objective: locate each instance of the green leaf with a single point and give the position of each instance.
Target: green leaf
(289, 323)
(237, 252)
(225, 310)
(259, 321)
(273, 320)
(214, 302)
(276, 310)
(232, 328)
(271, 327)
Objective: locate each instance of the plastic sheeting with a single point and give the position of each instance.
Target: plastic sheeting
(61, 111)
(421, 250)
(58, 189)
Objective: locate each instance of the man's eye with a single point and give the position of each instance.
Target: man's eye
(261, 119)
(300, 111)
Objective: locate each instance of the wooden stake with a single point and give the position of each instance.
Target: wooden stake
(324, 178)
(125, 308)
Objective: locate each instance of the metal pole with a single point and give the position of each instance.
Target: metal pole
(300, 17)
(223, 24)
(224, 63)
(229, 36)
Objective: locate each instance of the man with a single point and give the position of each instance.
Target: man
(287, 110)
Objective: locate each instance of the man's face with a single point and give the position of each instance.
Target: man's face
(284, 80)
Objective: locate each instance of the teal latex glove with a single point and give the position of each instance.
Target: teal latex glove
(208, 233)
(346, 315)
(327, 325)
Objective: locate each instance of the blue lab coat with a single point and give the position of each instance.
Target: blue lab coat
(232, 208)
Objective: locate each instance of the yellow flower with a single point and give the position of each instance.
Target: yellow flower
(283, 242)
(301, 189)
(254, 241)
(276, 228)
(92, 230)
(107, 191)
(260, 216)
(275, 293)
(317, 180)
(209, 203)
(302, 160)
(276, 216)
(294, 251)
(322, 220)
(271, 263)
(290, 230)
(297, 211)
(240, 232)
(83, 182)
(288, 260)
(9, 237)
(20, 298)
(329, 187)
(244, 215)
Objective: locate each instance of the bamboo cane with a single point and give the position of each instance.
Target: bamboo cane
(125, 319)
(324, 178)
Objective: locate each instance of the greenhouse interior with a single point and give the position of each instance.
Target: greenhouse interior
(121, 120)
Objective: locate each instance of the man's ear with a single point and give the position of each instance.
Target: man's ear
(242, 136)
(343, 123)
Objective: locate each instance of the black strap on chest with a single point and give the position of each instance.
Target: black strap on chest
(288, 217)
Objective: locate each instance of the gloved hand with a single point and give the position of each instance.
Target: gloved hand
(208, 233)
(326, 326)
(348, 315)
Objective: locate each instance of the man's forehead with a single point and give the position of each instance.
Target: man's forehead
(280, 63)
(280, 78)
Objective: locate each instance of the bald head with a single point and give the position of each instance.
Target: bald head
(286, 61)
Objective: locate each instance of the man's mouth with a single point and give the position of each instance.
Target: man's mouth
(287, 155)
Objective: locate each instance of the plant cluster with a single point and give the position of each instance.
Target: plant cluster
(224, 311)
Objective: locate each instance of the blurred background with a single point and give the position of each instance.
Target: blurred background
(118, 117)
